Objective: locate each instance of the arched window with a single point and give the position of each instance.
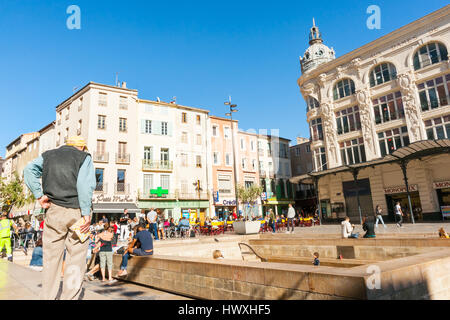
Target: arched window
(312, 103)
(429, 54)
(343, 89)
(382, 73)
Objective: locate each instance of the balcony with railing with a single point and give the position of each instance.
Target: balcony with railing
(101, 156)
(101, 187)
(157, 165)
(122, 158)
(193, 196)
(121, 188)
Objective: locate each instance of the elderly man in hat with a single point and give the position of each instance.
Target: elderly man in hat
(68, 181)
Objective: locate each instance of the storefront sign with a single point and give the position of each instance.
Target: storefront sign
(445, 210)
(441, 185)
(400, 189)
(264, 196)
(229, 202)
(103, 198)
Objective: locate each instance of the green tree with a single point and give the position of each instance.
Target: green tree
(248, 196)
(14, 194)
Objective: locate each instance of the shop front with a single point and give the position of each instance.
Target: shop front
(399, 193)
(443, 194)
(224, 208)
(279, 207)
(113, 211)
(177, 208)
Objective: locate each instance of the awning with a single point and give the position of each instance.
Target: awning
(115, 207)
(416, 150)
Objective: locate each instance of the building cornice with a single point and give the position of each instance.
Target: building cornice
(389, 39)
(173, 105)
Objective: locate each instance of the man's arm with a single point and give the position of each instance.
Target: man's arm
(86, 183)
(32, 175)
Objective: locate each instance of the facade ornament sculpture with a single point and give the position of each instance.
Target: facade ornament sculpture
(329, 131)
(356, 64)
(363, 98)
(309, 89)
(406, 83)
(340, 72)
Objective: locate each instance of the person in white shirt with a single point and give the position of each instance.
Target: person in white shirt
(153, 227)
(290, 218)
(399, 214)
(347, 229)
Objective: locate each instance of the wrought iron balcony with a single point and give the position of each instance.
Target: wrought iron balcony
(101, 157)
(122, 188)
(123, 158)
(157, 165)
(101, 187)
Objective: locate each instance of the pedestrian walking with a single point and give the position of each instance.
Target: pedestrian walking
(290, 218)
(68, 183)
(5, 234)
(153, 226)
(378, 216)
(399, 214)
(124, 225)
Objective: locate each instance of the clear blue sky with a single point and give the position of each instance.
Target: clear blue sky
(198, 51)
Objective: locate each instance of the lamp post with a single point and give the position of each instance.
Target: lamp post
(230, 114)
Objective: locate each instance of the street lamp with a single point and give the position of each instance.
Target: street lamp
(230, 114)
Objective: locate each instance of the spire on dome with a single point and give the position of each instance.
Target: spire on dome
(315, 35)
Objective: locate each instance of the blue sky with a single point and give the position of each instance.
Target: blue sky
(198, 51)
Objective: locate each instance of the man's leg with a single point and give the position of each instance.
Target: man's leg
(55, 232)
(376, 222)
(155, 231)
(75, 259)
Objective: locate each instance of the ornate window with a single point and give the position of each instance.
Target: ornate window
(316, 129)
(382, 73)
(429, 54)
(320, 159)
(392, 140)
(312, 103)
(434, 93)
(388, 108)
(348, 120)
(343, 89)
(438, 128)
(353, 151)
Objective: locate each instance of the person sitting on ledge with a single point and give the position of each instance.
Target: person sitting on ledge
(347, 229)
(369, 227)
(443, 234)
(144, 238)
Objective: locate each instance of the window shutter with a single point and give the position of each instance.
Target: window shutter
(169, 129)
(142, 125)
(156, 127)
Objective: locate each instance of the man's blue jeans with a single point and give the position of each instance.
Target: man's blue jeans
(154, 230)
(137, 252)
(354, 235)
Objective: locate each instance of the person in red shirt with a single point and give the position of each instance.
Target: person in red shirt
(114, 225)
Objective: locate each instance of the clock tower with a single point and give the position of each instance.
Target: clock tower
(317, 53)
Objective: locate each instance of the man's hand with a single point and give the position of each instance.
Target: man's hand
(44, 201)
(85, 227)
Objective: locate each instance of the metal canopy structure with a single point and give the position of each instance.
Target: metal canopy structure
(414, 151)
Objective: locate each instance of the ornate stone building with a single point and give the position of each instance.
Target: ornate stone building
(374, 100)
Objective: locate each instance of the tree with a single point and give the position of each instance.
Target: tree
(13, 194)
(248, 196)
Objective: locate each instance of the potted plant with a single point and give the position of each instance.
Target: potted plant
(247, 196)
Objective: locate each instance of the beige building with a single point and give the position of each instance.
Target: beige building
(368, 103)
(172, 156)
(106, 117)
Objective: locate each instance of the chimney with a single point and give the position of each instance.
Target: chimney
(124, 84)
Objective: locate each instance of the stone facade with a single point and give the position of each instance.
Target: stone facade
(379, 98)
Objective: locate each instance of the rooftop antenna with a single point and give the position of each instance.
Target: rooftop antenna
(74, 89)
(158, 99)
(117, 79)
(314, 23)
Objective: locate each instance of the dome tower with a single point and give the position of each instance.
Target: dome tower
(317, 53)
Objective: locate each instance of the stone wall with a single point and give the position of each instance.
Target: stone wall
(209, 279)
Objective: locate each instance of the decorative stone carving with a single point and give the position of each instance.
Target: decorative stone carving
(340, 72)
(322, 79)
(356, 63)
(406, 83)
(363, 97)
(329, 131)
(309, 89)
